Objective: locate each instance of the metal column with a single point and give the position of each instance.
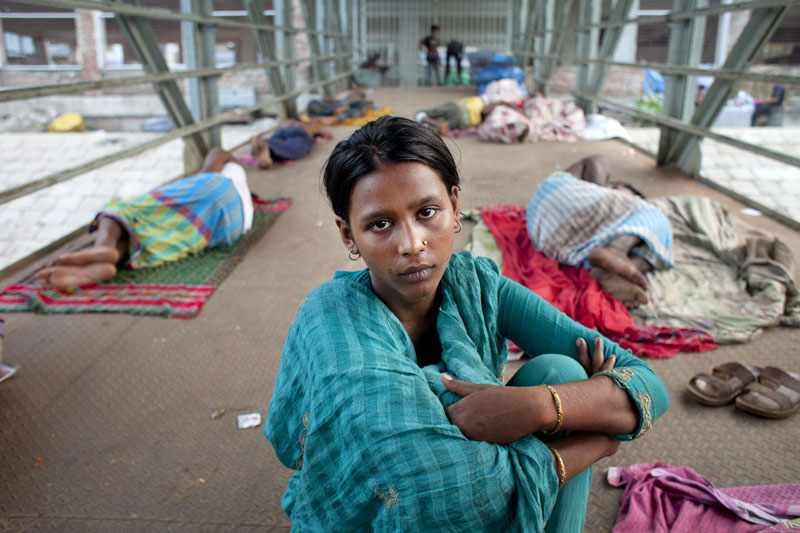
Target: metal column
(310, 19)
(763, 23)
(3, 59)
(288, 43)
(339, 42)
(534, 6)
(266, 48)
(561, 16)
(608, 45)
(198, 46)
(587, 43)
(685, 47)
(140, 35)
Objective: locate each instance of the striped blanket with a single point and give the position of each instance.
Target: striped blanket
(568, 218)
(177, 289)
(186, 217)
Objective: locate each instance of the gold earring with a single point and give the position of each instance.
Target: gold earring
(424, 243)
(353, 256)
(459, 226)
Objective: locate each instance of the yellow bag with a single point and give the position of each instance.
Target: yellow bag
(66, 122)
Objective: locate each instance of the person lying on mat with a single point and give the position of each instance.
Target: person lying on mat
(331, 110)
(292, 140)
(212, 208)
(456, 115)
(580, 217)
(389, 402)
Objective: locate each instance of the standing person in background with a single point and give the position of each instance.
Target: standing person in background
(430, 45)
(454, 50)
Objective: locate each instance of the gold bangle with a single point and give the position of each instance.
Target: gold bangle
(562, 470)
(560, 412)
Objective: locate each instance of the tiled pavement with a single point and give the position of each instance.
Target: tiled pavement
(768, 183)
(36, 220)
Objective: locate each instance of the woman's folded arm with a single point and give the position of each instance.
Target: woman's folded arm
(623, 401)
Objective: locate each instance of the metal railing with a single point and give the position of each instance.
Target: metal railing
(186, 127)
(683, 122)
(166, 14)
(203, 131)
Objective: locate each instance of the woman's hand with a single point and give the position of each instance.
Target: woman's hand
(493, 413)
(594, 363)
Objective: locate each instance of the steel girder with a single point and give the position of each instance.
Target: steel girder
(759, 29)
(140, 35)
(267, 50)
(684, 48)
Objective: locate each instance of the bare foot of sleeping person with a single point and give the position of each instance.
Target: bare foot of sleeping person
(442, 127)
(627, 292)
(95, 254)
(615, 261)
(64, 277)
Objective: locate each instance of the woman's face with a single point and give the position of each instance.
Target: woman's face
(402, 220)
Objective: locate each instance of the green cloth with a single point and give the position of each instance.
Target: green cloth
(365, 426)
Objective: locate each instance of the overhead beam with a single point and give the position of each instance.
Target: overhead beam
(163, 14)
(671, 17)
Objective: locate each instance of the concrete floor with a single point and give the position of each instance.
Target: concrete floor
(108, 426)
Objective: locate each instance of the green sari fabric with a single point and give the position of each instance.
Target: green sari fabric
(365, 427)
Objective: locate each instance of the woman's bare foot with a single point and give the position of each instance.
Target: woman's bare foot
(630, 294)
(64, 277)
(617, 262)
(95, 254)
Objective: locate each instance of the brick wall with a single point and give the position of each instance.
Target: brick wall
(87, 45)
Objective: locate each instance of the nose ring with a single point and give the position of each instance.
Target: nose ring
(424, 243)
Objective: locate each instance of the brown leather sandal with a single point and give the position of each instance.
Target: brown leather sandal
(724, 384)
(776, 394)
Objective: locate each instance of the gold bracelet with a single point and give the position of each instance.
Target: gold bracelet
(562, 470)
(560, 412)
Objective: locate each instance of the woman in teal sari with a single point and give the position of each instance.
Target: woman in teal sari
(389, 401)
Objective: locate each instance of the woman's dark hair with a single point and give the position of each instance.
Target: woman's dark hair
(384, 141)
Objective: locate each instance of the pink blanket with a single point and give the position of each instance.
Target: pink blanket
(661, 497)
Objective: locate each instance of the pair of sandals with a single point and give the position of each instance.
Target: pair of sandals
(769, 392)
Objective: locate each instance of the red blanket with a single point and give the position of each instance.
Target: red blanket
(573, 291)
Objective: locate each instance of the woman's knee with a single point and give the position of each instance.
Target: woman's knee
(549, 369)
